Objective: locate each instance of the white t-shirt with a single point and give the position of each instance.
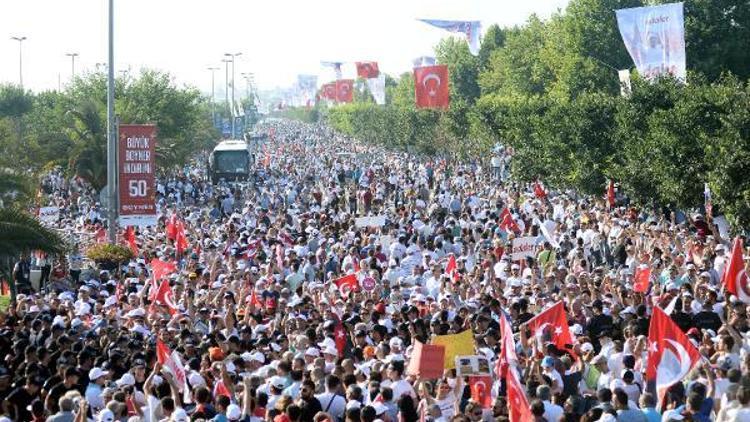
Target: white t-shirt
(552, 412)
(401, 388)
(336, 404)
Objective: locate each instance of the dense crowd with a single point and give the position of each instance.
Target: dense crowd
(257, 314)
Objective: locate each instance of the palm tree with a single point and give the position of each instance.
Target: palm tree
(89, 156)
(21, 232)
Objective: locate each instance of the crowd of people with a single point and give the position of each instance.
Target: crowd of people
(256, 314)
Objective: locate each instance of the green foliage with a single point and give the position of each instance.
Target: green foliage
(22, 232)
(14, 102)
(104, 252)
(69, 128)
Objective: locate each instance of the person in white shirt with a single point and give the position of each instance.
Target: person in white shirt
(95, 388)
(332, 401)
(552, 412)
(399, 385)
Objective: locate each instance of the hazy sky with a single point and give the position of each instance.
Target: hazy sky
(277, 38)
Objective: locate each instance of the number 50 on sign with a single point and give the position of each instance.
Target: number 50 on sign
(136, 146)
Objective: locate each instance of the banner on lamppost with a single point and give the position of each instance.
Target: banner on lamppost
(136, 166)
(655, 38)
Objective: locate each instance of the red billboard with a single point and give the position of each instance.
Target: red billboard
(136, 166)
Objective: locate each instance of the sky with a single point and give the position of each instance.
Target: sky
(278, 39)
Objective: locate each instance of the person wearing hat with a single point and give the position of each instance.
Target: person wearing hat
(97, 380)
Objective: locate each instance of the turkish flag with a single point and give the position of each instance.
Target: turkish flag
(734, 276)
(347, 283)
(172, 362)
(551, 326)
(642, 278)
(480, 386)
(162, 269)
(507, 354)
(431, 86)
(165, 297)
(539, 191)
(171, 228)
(611, 194)
(452, 268)
(671, 356)
(519, 409)
(339, 336)
(329, 91)
(507, 222)
(345, 90)
(130, 238)
(367, 70)
(181, 242)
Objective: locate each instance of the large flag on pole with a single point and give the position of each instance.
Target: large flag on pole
(655, 38)
(471, 29)
(671, 355)
(345, 90)
(367, 70)
(551, 326)
(735, 279)
(377, 88)
(431, 86)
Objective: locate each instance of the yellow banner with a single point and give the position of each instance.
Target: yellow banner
(455, 345)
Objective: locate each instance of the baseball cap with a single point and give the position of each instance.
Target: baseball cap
(96, 373)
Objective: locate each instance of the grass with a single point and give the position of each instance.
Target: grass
(4, 303)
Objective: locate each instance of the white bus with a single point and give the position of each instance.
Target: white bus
(230, 160)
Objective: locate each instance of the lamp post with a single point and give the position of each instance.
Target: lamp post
(111, 128)
(72, 64)
(233, 56)
(213, 93)
(20, 58)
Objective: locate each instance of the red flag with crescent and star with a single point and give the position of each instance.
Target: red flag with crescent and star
(735, 278)
(507, 356)
(339, 336)
(642, 278)
(551, 326)
(431, 86)
(165, 297)
(671, 355)
(451, 269)
(367, 70)
(347, 284)
(329, 91)
(519, 409)
(507, 222)
(480, 386)
(539, 191)
(345, 90)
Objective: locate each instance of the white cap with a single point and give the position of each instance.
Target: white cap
(311, 351)
(278, 382)
(96, 373)
(331, 351)
(126, 380)
(105, 415)
(179, 415)
(233, 412)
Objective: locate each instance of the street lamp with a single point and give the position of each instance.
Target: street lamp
(72, 64)
(213, 93)
(233, 56)
(248, 81)
(111, 130)
(20, 58)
